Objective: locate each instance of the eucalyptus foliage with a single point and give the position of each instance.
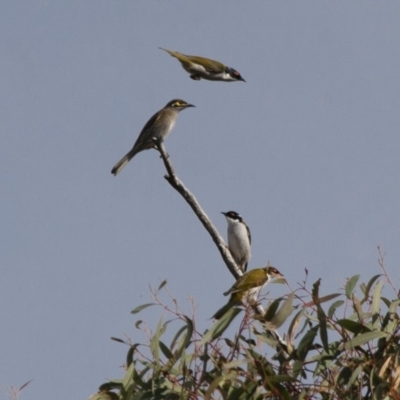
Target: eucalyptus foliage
(341, 345)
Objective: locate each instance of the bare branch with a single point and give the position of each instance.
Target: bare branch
(177, 184)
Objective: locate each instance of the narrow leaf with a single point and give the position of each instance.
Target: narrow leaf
(154, 343)
(24, 385)
(281, 316)
(366, 288)
(294, 324)
(117, 340)
(355, 375)
(138, 323)
(267, 337)
(142, 307)
(306, 343)
(333, 307)
(353, 326)
(269, 314)
(189, 327)
(376, 298)
(165, 350)
(162, 284)
(220, 326)
(127, 381)
(315, 289)
(322, 328)
(322, 299)
(184, 344)
(363, 338)
(350, 285)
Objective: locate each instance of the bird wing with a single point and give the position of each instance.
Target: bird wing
(145, 133)
(243, 284)
(248, 232)
(208, 64)
(188, 61)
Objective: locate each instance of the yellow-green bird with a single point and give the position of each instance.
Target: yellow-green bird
(201, 67)
(248, 286)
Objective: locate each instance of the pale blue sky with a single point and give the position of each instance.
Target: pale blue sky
(307, 151)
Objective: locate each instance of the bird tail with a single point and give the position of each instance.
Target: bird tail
(170, 52)
(122, 162)
(181, 57)
(235, 300)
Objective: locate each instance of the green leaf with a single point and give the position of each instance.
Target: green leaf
(102, 396)
(355, 375)
(184, 344)
(328, 297)
(350, 285)
(294, 324)
(142, 307)
(161, 285)
(220, 325)
(353, 326)
(322, 328)
(393, 305)
(131, 352)
(154, 343)
(269, 314)
(281, 316)
(367, 288)
(234, 364)
(117, 340)
(376, 298)
(386, 301)
(363, 338)
(165, 350)
(321, 316)
(213, 385)
(343, 377)
(114, 384)
(189, 327)
(306, 343)
(333, 307)
(138, 323)
(315, 289)
(127, 381)
(267, 337)
(322, 299)
(298, 369)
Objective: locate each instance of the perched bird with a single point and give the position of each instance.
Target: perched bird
(239, 239)
(158, 126)
(200, 67)
(248, 286)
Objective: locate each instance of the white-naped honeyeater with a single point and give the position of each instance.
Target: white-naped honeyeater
(201, 67)
(158, 126)
(239, 239)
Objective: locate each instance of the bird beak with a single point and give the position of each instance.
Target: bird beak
(241, 79)
(189, 105)
(223, 213)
